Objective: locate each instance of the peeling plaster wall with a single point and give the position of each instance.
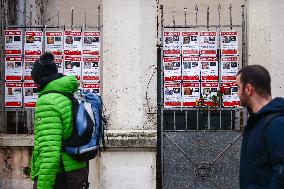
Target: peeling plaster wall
(15, 167)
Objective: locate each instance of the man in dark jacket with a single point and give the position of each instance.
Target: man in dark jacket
(262, 152)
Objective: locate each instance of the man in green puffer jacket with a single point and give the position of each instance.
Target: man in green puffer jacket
(51, 167)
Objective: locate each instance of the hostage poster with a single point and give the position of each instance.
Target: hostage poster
(230, 96)
(13, 68)
(229, 43)
(13, 94)
(171, 41)
(229, 68)
(91, 70)
(59, 64)
(191, 68)
(190, 43)
(208, 43)
(54, 42)
(91, 43)
(190, 93)
(208, 90)
(73, 43)
(33, 43)
(28, 66)
(172, 69)
(72, 66)
(13, 42)
(30, 94)
(92, 87)
(172, 94)
(209, 68)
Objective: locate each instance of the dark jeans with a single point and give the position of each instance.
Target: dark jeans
(69, 180)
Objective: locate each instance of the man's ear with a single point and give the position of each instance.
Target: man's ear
(249, 89)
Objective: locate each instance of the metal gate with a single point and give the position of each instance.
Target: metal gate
(199, 147)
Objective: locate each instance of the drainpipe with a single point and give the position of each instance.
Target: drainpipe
(21, 9)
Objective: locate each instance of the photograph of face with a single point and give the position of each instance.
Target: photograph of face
(69, 40)
(169, 66)
(30, 39)
(169, 40)
(226, 65)
(205, 65)
(9, 39)
(187, 91)
(206, 91)
(50, 40)
(68, 65)
(225, 39)
(28, 92)
(187, 65)
(29, 65)
(227, 91)
(9, 91)
(10, 65)
(87, 65)
(186, 40)
(205, 40)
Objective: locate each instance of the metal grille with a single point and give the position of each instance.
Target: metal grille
(199, 147)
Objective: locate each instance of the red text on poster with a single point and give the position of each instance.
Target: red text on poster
(13, 42)
(28, 66)
(92, 87)
(91, 43)
(208, 90)
(72, 66)
(229, 43)
(54, 42)
(33, 43)
(73, 43)
(172, 94)
(191, 68)
(208, 43)
(13, 68)
(229, 68)
(209, 68)
(172, 68)
(230, 96)
(190, 93)
(30, 94)
(171, 45)
(91, 70)
(190, 43)
(13, 94)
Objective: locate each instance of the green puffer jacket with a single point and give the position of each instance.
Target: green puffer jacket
(53, 124)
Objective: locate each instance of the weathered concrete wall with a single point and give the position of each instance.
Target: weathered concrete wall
(265, 39)
(15, 167)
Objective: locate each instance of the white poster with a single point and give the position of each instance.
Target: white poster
(209, 68)
(208, 43)
(91, 69)
(190, 43)
(28, 66)
(229, 43)
(13, 68)
(72, 66)
(230, 97)
(171, 43)
(229, 68)
(208, 90)
(13, 42)
(92, 87)
(54, 42)
(191, 68)
(13, 94)
(190, 93)
(172, 95)
(91, 43)
(59, 64)
(172, 69)
(30, 94)
(33, 43)
(73, 43)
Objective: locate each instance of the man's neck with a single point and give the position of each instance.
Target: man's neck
(259, 102)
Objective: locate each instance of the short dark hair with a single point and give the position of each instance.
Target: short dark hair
(258, 77)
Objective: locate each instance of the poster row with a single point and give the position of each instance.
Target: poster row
(177, 94)
(200, 68)
(203, 43)
(25, 94)
(86, 69)
(57, 42)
